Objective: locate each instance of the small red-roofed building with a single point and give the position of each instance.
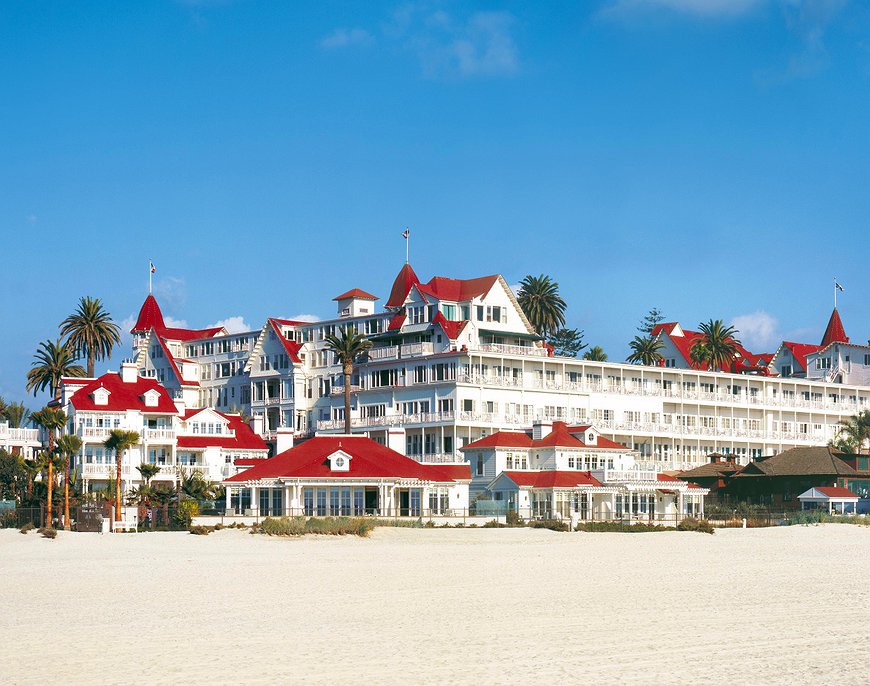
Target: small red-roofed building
(572, 472)
(832, 499)
(347, 476)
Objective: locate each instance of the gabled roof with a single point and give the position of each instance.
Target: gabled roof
(501, 439)
(357, 294)
(552, 479)
(834, 333)
(819, 460)
(710, 470)
(291, 347)
(150, 316)
(184, 335)
(406, 279)
(123, 396)
(836, 492)
(175, 370)
(457, 290)
(452, 328)
(561, 436)
(684, 339)
(397, 321)
(799, 352)
(244, 438)
(368, 460)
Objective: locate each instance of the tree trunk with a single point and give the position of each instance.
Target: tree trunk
(347, 373)
(66, 524)
(49, 510)
(90, 364)
(118, 456)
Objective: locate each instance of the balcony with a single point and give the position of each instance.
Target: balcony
(105, 471)
(438, 458)
(94, 433)
(504, 349)
(386, 420)
(628, 475)
(16, 435)
(339, 390)
(394, 352)
(149, 435)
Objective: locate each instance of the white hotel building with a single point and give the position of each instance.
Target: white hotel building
(455, 360)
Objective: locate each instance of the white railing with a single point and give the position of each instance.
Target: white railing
(611, 475)
(416, 349)
(442, 458)
(19, 435)
(505, 349)
(339, 390)
(100, 432)
(387, 352)
(386, 420)
(104, 471)
(158, 434)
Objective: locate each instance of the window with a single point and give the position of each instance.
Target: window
(479, 312)
(786, 370)
(449, 312)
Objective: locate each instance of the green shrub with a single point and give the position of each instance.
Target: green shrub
(218, 526)
(493, 524)
(512, 518)
(695, 524)
(27, 527)
(48, 532)
(201, 530)
(299, 526)
(620, 527)
(807, 517)
(430, 524)
(551, 524)
(283, 526)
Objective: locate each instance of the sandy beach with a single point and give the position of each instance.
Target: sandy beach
(776, 606)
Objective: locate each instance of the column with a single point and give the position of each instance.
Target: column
(255, 501)
(679, 506)
(227, 498)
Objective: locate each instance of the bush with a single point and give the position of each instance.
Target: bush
(807, 517)
(182, 517)
(551, 524)
(493, 524)
(299, 526)
(8, 519)
(620, 527)
(283, 526)
(512, 518)
(218, 526)
(695, 524)
(27, 527)
(201, 530)
(48, 532)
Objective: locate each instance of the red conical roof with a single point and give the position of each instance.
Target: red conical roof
(835, 333)
(150, 316)
(406, 280)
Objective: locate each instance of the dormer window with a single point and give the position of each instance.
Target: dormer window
(339, 461)
(101, 396)
(151, 398)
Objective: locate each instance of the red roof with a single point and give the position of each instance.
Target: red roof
(173, 334)
(552, 479)
(835, 333)
(368, 460)
(561, 436)
(289, 322)
(457, 290)
(397, 321)
(292, 347)
(123, 396)
(451, 328)
(244, 439)
(175, 370)
(800, 351)
(685, 342)
(356, 293)
(405, 281)
(836, 491)
(150, 316)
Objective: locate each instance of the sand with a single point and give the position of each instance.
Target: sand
(776, 606)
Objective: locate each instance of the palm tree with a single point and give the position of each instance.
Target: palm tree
(67, 446)
(16, 414)
(90, 331)
(148, 472)
(645, 350)
(541, 303)
(596, 354)
(348, 347)
(715, 344)
(120, 441)
(52, 362)
(854, 433)
(52, 420)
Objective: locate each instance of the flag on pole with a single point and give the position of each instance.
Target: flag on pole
(153, 268)
(406, 233)
(839, 287)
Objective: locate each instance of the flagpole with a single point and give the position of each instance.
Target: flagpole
(150, 273)
(408, 246)
(835, 292)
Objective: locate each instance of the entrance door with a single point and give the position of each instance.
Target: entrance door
(371, 501)
(404, 503)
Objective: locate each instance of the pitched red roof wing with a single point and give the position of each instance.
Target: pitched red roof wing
(405, 280)
(834, 333)
(292, 347)
(150, 316)
(356, 293)
(800, 351)
(123, 396)
(552, 479)
(244, 438)
(457, 290)
(451, 328)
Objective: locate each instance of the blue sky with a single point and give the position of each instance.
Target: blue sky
(707, 157)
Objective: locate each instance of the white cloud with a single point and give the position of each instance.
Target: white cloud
(174, 323)
(304, 318)
(699, 8)
(170, 291)
(344, 38)
(235, 324)
(759, 331)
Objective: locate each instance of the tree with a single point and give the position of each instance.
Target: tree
(715, 344)
(120, 441)
(541, 303)
(148, 472)
(596, 354)
(348, 347)
(650, 320)
(53, 361)
(16, 414)
(90, 331)
(854, 433)
(67, 446)
(12, 475)
(52, 420)
(645, 350)
(567, 342)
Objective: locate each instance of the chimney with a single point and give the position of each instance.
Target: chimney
(129, 371)
(257, 424)
(284, 439)
(540, 429)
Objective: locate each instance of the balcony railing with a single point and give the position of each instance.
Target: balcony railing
(339, 390)
(16, 435)
(158, 434)
(438, 458)
(97, 432)
(386, 420)
(505, 349)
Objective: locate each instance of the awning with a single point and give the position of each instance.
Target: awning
(511, 334)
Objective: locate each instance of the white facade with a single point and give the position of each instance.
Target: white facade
(24, 442)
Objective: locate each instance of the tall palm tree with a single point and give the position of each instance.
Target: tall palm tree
(645, 350)
(16, 414)
(348, 347)
(52, 420)
(53, 361)
(90, 331)
(120, 441)
(854, 433)
(67, 446)
(596, 354)
(541, 303)
(715, 344)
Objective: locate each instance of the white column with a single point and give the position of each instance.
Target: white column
(255, 500)
(227, 498)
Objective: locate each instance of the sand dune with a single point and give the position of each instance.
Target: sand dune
(775, 606)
